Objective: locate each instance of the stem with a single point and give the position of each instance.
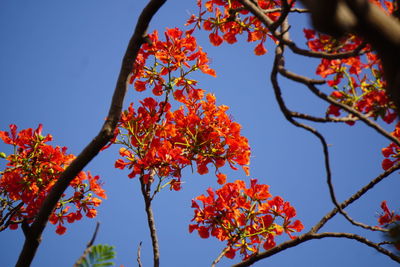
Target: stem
(146, 192)
(219, 257)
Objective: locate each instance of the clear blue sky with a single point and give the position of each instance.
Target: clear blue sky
(59, 64)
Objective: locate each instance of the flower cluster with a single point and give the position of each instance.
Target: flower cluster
(156, 138)
(390, 220)
(31, 172)
(387, 217)
(227, 19)
(197, 132)
(359, 76)
(179, 54)
(161, 138)
(392, 151)
(245, 217)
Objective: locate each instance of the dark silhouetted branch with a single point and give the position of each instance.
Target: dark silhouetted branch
(92, 149)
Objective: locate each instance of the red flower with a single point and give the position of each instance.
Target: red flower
(243, 217)
(215, 39)
(260, 49)
(61, 229)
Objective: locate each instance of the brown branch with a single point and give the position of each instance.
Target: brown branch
(355, 196)
(311, 236)
(279, 67)
(138, 255)
(7, 219)
(279, 63)
(318, 119)
(146, 192)
(214, 263)
(310, 84)
(106, 133)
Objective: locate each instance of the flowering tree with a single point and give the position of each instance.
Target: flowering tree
(177, 124)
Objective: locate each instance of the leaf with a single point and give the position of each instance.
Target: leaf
(97, 256)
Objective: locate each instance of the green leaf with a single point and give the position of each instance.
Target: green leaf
(97, 256)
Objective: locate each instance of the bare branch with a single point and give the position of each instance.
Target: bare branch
(356, 196)
(214, 263)
(279, 62)
(146, 192)
(311, 236)
(310, 84)
(138, 254)
(106, 133)
(318, 119)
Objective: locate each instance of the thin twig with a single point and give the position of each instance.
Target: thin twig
(318, 119)
(219, 256)
(279, 66)
(146, 192)
(311, 236)
(7, 220)
(92, 149)
(355, 196)
(138, 254)
(310, 84)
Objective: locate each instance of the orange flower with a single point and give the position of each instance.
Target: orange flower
(260, 49)
(245, 217)
(33, 170)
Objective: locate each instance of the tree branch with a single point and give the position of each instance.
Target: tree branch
(355, 196)
(139, 261)
(310, 84)
(311, 236)
(146, 192)
(106, 133)
(219, 257)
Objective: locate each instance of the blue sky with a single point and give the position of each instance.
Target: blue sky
(59, 64)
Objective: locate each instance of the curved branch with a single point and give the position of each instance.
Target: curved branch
(279, 67)
(355, 196)
(311, 236)
(279, 63)
(219, 257)
(310, 84)
(145, 187)
(32, 241)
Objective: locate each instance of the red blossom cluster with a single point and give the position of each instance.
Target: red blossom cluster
(226, 19)
(387, 217)
(390, 220)
(245, 217)
(156, 138)
(160, 139)
(30, 173)
(360, 77)
(392, 151)
(179, 54)
(198, 132)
